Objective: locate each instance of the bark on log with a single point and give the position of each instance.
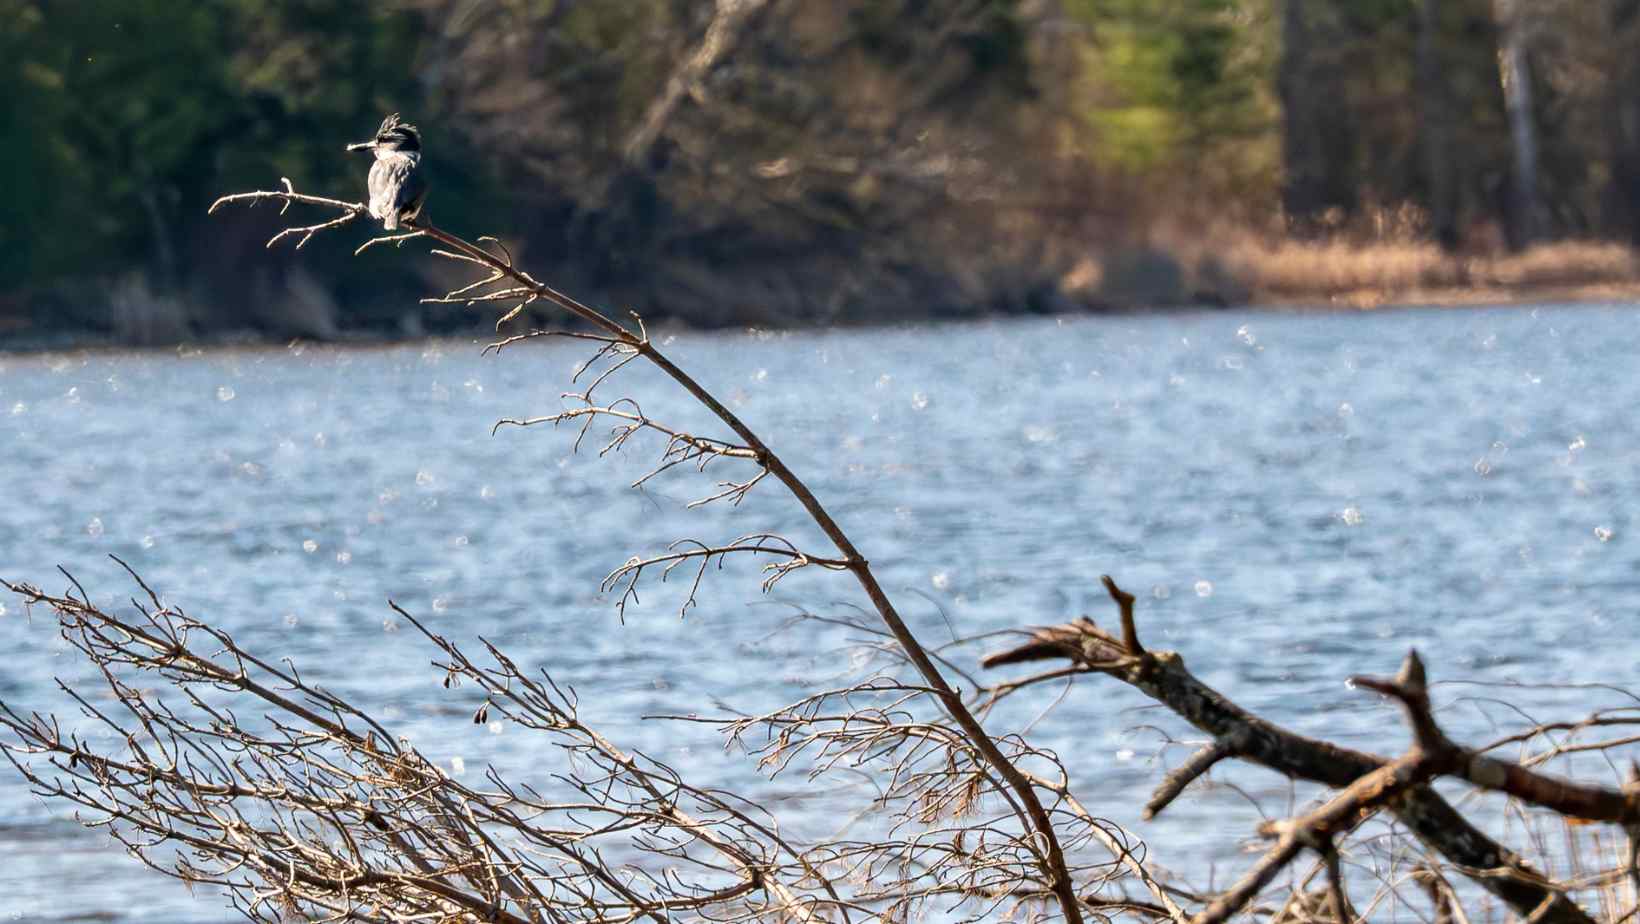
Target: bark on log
(1162, 675)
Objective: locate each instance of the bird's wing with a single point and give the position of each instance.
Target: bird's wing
(386, 182)
(411, 193)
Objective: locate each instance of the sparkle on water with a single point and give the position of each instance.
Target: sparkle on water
(1221, 460)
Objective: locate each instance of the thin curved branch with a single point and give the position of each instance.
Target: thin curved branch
(350, 210)
(1049, 853)
(693, 550)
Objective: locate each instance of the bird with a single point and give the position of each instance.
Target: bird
(397, 189)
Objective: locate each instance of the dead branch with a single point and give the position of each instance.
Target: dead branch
(702, 555)
(1317, 830)
(1164, 677)
(397, 240)
(321, 810)
(1048, 852)
(1186, 773)
(349, 210)
(680, 448)
(940, 822)
(1619, 806)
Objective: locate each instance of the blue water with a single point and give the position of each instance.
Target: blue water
(1295, 497)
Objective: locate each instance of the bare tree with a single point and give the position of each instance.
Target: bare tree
(729, 22)
(1622, 118)
(1515, 77)
(1317, 140)
(1436, 117)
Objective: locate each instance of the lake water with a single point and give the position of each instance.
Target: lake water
(1295, 497)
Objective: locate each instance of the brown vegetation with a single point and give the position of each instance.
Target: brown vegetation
(1411, 272)
(1385, 259)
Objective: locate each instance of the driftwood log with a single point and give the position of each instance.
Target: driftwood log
(1368, 781)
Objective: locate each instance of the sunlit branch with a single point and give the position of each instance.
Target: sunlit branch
(1050, 855)
(702, 556)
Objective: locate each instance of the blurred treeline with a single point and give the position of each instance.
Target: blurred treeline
(770, 161)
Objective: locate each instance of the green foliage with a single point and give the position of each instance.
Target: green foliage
(131, 115)
(1172, 81)
(108, 100)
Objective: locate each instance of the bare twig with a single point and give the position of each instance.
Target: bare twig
(320, 810)
(702, 555)
(1186, 773)
(349, 210)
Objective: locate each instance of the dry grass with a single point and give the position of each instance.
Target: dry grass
(1378, 272)
(1380, 257)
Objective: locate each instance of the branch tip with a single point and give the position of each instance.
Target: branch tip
(1186, 773)
(1411, 677)
(1124, 603)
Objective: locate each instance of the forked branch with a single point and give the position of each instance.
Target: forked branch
(1234, 731)
(701, 556)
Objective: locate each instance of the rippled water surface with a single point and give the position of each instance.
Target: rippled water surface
(1296, 498)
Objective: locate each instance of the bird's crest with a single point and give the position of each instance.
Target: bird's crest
(398, 135)
(392, 122)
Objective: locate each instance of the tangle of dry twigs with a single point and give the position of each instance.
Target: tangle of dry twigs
(503, 281)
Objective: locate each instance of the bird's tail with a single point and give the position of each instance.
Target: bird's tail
(390, 221)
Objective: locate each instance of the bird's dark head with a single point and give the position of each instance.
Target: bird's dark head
(394, 135)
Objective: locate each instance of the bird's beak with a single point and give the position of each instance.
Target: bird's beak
(362, 146)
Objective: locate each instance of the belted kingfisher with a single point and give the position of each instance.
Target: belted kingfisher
(396, 189)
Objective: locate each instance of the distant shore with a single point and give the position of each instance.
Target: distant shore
(1245, 274)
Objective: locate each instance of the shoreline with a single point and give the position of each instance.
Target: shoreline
(1227, 270)
(1362, 299)
(1369, 299)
